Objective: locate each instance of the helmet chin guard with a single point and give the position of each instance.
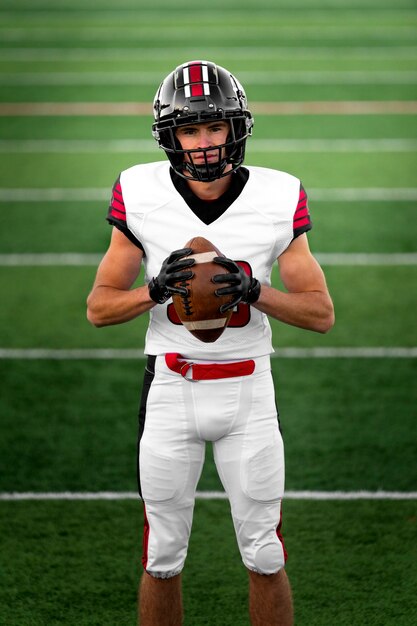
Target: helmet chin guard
(194, 93)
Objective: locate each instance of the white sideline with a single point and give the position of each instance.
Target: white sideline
(277, 77)
(210, 495)
(66, 146)
(280, 353)
(102, 194)
(324, 258)
(156, 32)
(309, 107)
(57, 55)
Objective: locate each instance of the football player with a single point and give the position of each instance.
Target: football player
(255, 216)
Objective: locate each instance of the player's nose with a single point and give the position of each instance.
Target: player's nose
(204, 140)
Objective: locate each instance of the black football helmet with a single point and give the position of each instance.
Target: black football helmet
(196, 92)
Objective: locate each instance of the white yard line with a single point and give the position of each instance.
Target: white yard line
(254, 145)
(324, 258)
(207, 495)
(320, 107)
(57, 55)
(57, 30)
(99, 194)
(49, 259)
(281, 77)
(280, 353)
(366, 259)
(54, 11)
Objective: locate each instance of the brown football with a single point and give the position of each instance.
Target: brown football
(199, 310)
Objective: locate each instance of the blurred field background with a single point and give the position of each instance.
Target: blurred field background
(332, 86)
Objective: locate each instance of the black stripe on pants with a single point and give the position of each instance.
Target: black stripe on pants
(147, 381)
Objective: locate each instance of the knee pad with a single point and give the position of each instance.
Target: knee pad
(269, 558)
(260, 546)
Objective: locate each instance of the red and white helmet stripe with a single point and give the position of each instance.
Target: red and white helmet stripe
(196, 79)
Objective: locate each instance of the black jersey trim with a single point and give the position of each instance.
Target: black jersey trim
(302, 220)
(303, 229)
(209, 212)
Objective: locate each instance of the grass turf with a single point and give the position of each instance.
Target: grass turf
(78, 563)
(73, 424)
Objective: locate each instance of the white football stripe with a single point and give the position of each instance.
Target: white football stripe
(208, 495)
(149, 33)
(105, 354)
(95, 194)
(324, 258)
(205, 324)
(254, 145)
(186, 79)
(277, 77)
(203, 257)
(321, 107)
(57, 55)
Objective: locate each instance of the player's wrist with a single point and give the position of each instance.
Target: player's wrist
(254, 291)
(157, 293)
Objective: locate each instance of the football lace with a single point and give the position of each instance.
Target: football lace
(186, 301)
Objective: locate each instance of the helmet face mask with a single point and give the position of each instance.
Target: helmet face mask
(200, 92)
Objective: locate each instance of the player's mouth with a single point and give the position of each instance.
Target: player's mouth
(210, 157)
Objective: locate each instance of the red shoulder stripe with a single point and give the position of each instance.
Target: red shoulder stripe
(304, 222)
(117, 206)
(301, 213)
(301, 216)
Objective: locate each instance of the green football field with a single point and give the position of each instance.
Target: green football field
(332, 87)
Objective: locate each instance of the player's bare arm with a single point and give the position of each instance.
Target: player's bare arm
(307, 303)
(112, 299)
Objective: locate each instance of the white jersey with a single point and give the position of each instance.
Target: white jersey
(257, 227)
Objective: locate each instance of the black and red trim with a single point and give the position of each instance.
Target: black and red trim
(301, 220)
(117, 208)
(280, 537)
(116, 215)
(147, 381)
(195, 77)
(145, 543)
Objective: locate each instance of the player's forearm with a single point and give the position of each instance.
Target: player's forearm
(107, 305)
(311, 310)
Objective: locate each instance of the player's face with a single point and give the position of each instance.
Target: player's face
(204, 135)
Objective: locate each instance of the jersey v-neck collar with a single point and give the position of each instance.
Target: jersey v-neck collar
(209, 212)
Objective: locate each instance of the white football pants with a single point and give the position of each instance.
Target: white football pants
(239, 416)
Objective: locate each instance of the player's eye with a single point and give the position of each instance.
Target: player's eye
(188, 131)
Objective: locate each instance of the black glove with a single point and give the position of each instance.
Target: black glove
(162, 286)
(242, 287)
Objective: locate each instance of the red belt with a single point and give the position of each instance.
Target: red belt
(210, 371)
